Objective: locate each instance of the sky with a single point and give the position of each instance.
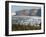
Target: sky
(30, 10)
(17, 8)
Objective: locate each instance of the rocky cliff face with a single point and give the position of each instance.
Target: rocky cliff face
(29, 12)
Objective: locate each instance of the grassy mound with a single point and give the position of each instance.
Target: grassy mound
(19, 27)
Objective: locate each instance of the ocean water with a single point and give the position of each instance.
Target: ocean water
(26, 20)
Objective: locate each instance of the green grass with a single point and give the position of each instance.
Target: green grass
(24, 27)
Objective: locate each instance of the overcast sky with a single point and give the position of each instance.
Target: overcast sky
(17, 8)
(32, 10)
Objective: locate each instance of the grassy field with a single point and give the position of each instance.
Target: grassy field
(25, 27)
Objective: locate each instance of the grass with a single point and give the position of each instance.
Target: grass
(19, 27)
